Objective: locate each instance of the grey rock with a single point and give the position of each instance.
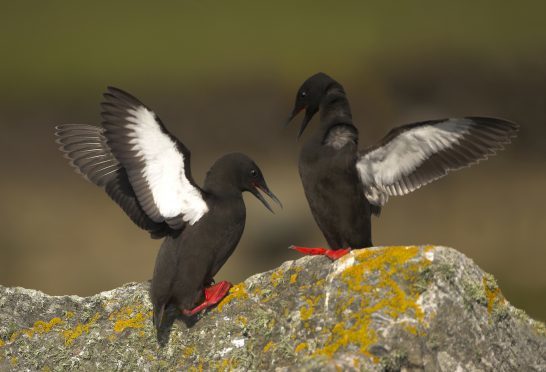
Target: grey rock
(388, 308)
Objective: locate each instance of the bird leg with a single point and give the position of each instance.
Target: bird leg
(213, 294)
(332, 254)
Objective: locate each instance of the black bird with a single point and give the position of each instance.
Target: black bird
(146, 171)
(345, 186)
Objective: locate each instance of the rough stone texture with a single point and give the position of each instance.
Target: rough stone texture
(390, 308)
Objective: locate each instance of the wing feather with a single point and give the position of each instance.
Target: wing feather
(96, 163)
(414, 155)
(157, 164)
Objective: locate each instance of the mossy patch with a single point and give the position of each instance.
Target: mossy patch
(377, 279)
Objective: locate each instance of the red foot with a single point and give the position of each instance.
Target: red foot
(332, 254)
(213, 295)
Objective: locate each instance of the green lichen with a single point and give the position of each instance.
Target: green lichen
(394, 361)
(474, 292)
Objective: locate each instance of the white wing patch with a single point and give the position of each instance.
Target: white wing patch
(381, 169)
(172, 192)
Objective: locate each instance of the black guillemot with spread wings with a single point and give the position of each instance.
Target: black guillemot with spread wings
(345, 186)
(146, 171)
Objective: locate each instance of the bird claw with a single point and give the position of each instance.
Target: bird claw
(332, 254)
(213, 295)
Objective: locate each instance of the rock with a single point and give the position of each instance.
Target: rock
(389, 308)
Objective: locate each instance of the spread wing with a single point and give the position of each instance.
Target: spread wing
(85, 146)
(413, 155)
(156, 163)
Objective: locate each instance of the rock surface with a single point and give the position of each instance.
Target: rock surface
(388, 308)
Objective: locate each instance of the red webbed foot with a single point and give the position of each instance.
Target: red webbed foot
(213, 294)
(332, 254)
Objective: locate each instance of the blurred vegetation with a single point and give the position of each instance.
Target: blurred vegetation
(222, 76)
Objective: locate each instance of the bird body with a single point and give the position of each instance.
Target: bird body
(345, 186)
(331, 184)
(146, 171)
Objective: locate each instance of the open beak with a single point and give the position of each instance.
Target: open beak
(263, 188)
(308, 116)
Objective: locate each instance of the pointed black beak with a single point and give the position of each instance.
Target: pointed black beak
(307, 118)
(295, 113)
(263, 187)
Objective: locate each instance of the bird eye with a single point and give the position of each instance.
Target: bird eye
(303, 93)
(254, 173)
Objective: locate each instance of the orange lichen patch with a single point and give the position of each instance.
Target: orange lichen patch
(41, 327)
(300, 347)
(493, 293)
(129, 317)
(293, 278)
(277, 277)
(72, 334)
(238, 291)
(268, 346)
(375, 280)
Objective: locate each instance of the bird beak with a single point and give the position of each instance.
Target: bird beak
(308, 116)
(295, 113)
(306, 119)
(263, 187)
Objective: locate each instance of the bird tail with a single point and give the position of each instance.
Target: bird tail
(159, 313)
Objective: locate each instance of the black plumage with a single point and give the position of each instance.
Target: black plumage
(146, 171)
(345, 186)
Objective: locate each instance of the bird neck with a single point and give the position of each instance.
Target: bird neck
(222, 183)
(334, 108)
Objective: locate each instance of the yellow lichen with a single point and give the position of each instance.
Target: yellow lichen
(382, 267)
(300, 347)
(243, 320)
(268, 346)
(2, 343)
(41, 327)
(199, 368)
(188, 351)
(306, 311)
(13, 361)
(72, 334)
(277, 277)
(14, 336)
(493, 293)
(293, 278)
(69, 314)
(238, 291)
(129, 317)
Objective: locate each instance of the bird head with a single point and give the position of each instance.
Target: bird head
(309, 97)
(241, 173)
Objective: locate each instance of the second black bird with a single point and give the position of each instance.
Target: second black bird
(345, 186)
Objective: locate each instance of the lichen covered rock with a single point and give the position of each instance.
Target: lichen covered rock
(388, 308)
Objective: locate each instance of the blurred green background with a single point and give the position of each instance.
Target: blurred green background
(222, 76)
